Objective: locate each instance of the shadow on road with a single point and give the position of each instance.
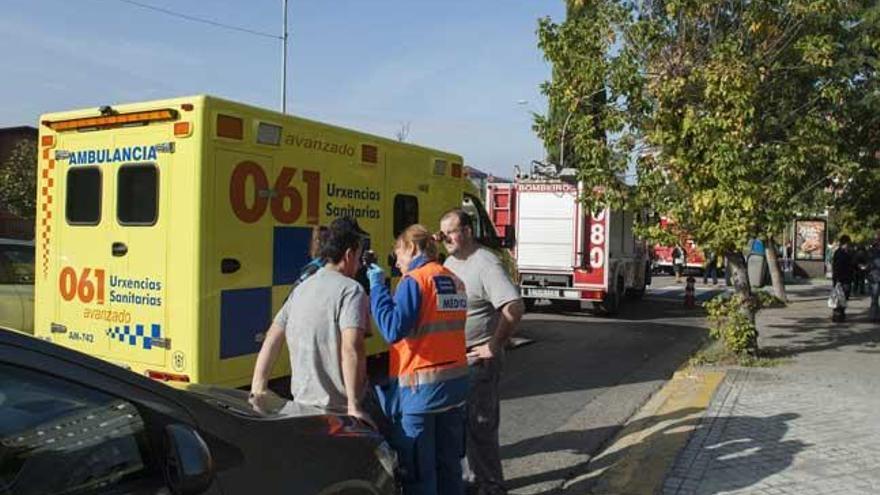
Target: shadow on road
(580, 361)
(740, 451)
(577, 352)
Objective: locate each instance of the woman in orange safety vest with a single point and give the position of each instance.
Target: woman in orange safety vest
(424, 324)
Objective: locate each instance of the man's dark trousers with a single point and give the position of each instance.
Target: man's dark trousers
(483, 454)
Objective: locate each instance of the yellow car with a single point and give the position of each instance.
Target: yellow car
(17, 285)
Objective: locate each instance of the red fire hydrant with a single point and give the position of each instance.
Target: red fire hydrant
(689, 293)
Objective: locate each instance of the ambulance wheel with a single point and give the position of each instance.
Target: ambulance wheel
(529, 303)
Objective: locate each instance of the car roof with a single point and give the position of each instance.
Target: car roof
(16, 242)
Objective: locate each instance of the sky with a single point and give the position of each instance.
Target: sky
(464, 74)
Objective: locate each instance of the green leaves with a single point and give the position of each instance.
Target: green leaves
(18, 179)
(736, 116)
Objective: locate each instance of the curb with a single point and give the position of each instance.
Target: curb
(641, 454)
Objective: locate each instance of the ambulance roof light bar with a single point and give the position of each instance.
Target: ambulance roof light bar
(110, 118)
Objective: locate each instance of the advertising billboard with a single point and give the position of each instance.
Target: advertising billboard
(809, 240)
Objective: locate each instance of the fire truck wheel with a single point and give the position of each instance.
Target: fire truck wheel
(640, 293)
(611, 305)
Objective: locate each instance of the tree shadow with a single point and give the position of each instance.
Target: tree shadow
(581, 353)
(735, 451)
(583, 443)
(811, 334)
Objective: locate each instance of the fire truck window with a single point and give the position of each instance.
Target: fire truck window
(83, 204)
(406, 212)
(138, 195)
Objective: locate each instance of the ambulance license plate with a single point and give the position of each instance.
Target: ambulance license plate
(542, 292)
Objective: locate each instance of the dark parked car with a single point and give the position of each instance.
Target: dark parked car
(72, 424)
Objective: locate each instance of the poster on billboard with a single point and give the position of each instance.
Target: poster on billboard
(809, 240)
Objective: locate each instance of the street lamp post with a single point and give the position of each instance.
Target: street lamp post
(562, 136)
(528, 105)
(284, 60)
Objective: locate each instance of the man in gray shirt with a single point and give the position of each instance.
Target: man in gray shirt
(494, 310)
(324, 321)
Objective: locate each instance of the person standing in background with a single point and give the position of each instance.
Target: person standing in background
(494, 310)
(874, 277)
(324, 322)
(842, 273)
(679, 256)
(424, 325)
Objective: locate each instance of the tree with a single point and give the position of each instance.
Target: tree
(585, 126)
(730, 110)
(855, 203)
(18, 179)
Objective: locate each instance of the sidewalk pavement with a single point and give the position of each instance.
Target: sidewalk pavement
(808, 426)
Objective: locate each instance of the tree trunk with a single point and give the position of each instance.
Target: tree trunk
(775, 271)
(739, 276)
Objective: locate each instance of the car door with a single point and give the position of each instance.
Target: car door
(69, 429)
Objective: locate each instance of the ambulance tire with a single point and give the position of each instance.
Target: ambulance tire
(529, 303)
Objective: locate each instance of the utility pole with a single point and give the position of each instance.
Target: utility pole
(284, 61)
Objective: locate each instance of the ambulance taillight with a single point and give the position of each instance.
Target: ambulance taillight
(182, 129)
(164, 376)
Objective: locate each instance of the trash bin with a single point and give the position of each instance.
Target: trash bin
(788, 271)
(757, 270)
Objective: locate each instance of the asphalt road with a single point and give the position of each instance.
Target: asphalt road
(567, 393)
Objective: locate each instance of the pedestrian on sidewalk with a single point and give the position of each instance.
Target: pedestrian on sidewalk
(679, 258)
(424, 323)
(494, 308)
(874, 276)
(711, 268)
(860, 270)
(842, 274)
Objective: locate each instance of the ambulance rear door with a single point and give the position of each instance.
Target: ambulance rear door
(73, 243)
(107, 248)
(139, 216)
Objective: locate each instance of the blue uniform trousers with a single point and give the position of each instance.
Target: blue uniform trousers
(430, 447)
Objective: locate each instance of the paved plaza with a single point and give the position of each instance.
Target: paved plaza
(810, 425)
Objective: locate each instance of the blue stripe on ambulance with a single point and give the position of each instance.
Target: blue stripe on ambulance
(243, 314)
(136, 336)
(246, 312)
(290, 253)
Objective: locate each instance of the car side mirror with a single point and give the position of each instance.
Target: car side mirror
(189, 468)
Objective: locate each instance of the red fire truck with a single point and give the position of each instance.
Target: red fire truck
(501, 205)
(565, 253)
(695, 259)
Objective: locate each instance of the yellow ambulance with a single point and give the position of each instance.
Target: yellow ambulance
(170, 232)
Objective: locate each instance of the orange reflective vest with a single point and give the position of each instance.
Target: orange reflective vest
(429, 363)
